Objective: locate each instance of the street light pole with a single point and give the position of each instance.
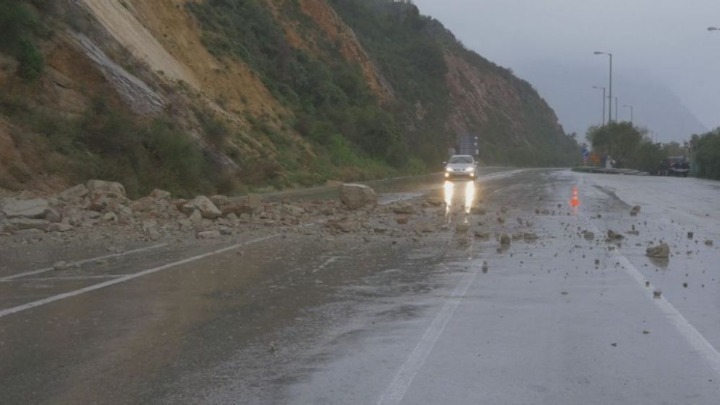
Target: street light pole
(631, 111)
(616, 109)
(611, 81)
(603, 103)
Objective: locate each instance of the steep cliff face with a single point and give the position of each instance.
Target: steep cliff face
(206, 95)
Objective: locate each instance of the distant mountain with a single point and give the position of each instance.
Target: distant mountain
(568, 90)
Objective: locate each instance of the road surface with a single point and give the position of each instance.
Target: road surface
(560, 315)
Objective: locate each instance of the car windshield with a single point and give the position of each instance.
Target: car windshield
(461, 159)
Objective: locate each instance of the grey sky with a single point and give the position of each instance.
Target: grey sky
(662, 40)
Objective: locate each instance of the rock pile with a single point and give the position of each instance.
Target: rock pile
(101, 204)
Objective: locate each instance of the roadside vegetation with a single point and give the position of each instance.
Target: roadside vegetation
(705, 154)
(631, 147)
(109, 143)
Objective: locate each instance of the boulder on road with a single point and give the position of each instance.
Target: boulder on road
(150, 229)
(60, 227)
(220, 200)
(74, 193)
(207, 209)
(51, 215)
(662, 251)
(356, 196)
(158, 194)
(144, 205)
(35, 208)
(208, 235)
(20, 224)
(292, 210)
(505, 240)
(403, 208)
(109, 188)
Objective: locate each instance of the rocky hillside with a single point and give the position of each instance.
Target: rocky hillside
(206, 96)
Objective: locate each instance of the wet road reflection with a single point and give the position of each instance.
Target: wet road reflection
(459, 198)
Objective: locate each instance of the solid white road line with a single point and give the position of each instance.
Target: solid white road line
(701, 346)
(80, 262)
(34, 304)
(73, 278)
(697, 341)
(397, 389)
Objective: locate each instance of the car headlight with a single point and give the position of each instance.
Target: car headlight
(448, 169)
(470, 169)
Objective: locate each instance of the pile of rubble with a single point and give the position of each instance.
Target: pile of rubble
(103, 207)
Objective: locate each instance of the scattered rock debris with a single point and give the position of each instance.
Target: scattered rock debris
(657, 294)
(635, 211)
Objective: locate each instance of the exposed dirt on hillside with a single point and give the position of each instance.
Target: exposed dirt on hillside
(334, 29)
(474, 95)
(120, 22)
(230, 82)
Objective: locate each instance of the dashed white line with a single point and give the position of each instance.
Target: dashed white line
(80, 262)
(34, 304)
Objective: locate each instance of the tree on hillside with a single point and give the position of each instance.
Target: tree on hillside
(617, 139)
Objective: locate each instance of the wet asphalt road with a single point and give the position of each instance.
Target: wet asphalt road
(448, 317)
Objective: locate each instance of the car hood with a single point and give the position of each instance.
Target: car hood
(459, 166)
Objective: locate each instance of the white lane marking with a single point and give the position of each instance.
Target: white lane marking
(327, 263)
(399, 386)
(80, 262)
(34, 304)
(72, 278)
(696, 340)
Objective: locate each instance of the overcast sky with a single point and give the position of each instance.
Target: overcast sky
(662, 40)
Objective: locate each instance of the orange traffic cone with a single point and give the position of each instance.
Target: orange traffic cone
(575, 201)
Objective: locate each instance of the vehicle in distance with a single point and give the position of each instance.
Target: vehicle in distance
(674, 166)
(461, 166)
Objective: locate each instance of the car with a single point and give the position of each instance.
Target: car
(461, 166)
(674, 166)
